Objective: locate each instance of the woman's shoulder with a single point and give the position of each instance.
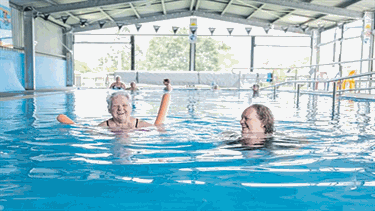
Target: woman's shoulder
(104, 123)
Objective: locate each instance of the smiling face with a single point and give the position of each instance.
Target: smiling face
(250, 122)
(120, 109)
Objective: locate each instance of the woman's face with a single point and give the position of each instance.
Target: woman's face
(120, 109)
(250, 122)
(118, 79)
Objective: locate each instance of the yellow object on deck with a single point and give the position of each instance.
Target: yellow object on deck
(349, 83)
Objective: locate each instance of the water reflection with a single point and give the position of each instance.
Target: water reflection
(312, 108)
(70, 105)
(192, 101)
(362, 116)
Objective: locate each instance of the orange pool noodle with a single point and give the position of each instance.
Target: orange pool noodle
(163, 110)
(64, 119)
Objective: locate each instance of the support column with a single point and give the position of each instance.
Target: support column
(368, 44)
(315, 53)
(252, 53)
(29, 37)
(341, 27)
(192, 57)
(69, 40)
(132, 52)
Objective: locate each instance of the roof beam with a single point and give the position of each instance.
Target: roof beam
(106, 14)
(135, 11)
(313, 7)
(197, 5)
(227, 7)
(83, 5)
(286, 14)
(68, 13)
(342, 5)
(192, 5)
(253, 13)
(127, 21)
(163, 5)
(253, 21)
(158, 17)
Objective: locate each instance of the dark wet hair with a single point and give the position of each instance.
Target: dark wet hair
(167, 80)
(265, 116)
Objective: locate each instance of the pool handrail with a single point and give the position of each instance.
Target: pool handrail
(334, 91)
(322, 81)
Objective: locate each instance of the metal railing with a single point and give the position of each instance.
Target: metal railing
(321, 81)
(334, 91)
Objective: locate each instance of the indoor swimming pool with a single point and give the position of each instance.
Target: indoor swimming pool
(314, 161)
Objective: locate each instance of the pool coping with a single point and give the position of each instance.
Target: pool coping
(5, 96)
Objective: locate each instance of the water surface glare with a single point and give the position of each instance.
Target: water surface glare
(314, 161)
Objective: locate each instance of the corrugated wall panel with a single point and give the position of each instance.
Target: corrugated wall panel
(17, 28)
(49, 38)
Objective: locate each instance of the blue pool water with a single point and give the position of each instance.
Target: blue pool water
(314, 162)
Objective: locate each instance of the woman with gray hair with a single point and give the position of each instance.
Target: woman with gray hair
(120, 109)
(119, 106)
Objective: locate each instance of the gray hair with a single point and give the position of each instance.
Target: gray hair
(113, 95)
(117, 76)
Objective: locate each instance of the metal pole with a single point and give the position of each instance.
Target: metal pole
(368, 40)
(192, 57)
(333, 99)
(316, 52)
(252, 51)
(68, 50)
(371, 55)
(239, 80)
(274, 92)
(340, 51)
(298, 91)
(334, 45)
(29, 38)
(295, 78)
(360, 64)
(132, 43)
(311, 55)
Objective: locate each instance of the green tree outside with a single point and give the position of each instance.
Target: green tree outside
(81, 67)
(172, 53)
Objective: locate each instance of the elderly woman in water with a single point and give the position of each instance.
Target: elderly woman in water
(257, 123)
(119, 106)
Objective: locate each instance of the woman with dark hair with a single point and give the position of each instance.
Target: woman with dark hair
(257, 121)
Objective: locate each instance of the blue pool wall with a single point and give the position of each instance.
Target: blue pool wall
(50, 72)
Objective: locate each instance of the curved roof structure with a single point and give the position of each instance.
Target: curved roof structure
(292, 15)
